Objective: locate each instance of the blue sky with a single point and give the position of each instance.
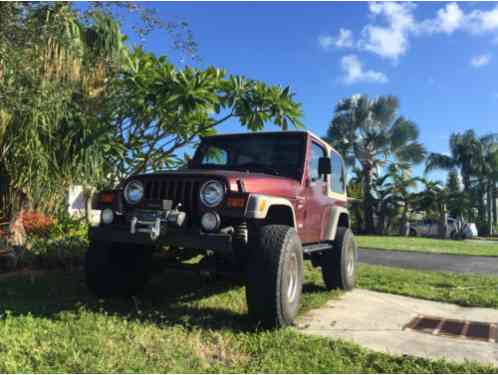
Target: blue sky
(439, 59)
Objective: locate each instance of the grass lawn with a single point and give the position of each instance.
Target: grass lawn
(462, 289)
(429, 245)
(49, 323)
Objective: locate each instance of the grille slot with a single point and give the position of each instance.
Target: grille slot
(178, 190)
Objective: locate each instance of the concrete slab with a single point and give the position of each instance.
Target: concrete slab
(376, 320)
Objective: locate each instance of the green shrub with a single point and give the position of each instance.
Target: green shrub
(61, 245)
(65, 253)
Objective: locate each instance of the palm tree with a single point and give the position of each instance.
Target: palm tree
(394, 196)
(488, 171)
(462, 151)
(434, 199)
(369, 132)
(475, 158)
(355, 196)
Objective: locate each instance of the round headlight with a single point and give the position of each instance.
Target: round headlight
(107, 216)
(212, 193)
(210, 221)
(134, 192)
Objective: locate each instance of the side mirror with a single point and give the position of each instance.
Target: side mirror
(324, 166)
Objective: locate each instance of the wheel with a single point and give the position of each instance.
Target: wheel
(113, 270)
(339, 263)
(413, 233)
(275, 277)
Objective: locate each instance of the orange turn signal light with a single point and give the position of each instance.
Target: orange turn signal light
(106, 197)
(236, 202)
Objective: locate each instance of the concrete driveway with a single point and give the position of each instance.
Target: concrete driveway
(431, 262)
(378, 322)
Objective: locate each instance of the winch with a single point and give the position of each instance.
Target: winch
(153, 221)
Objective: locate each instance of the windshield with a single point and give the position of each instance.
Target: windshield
(277, 154)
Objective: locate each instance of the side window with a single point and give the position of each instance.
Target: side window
(317, 152)
(338, 176)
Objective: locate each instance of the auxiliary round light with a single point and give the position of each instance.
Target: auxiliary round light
(210, 221)
(134, 192)
(212, 193)
(107, 216)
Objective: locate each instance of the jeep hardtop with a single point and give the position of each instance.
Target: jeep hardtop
(257, 203)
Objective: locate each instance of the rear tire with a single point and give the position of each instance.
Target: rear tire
(113, 270)
(339, 263)
(275, 277)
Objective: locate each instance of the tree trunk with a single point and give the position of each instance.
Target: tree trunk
(404, 227)
(368, 201)
(489, 202)
(482, 207)
(467, 193)
(495, 211)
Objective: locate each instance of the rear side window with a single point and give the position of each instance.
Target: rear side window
(317, 152)
(338, 176)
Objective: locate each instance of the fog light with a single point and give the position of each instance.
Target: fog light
(107, 216)
(210, 221)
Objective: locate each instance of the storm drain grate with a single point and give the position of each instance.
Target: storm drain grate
(455, 328)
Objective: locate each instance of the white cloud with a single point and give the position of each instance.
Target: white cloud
(343, 40)
(392, 24)
(389, 41)
(449, 18)
(354, 73)
(480, 61)
(479, 22)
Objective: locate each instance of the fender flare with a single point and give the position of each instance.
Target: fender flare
(333, 222)
(258, 206)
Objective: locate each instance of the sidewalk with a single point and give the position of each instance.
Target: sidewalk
(377, 320)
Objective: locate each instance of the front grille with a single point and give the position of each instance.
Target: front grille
(184, 190)
(178, 190)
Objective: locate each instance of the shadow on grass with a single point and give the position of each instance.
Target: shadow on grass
(171, 298)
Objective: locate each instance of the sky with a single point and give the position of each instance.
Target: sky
(439, 59)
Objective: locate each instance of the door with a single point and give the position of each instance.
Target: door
(315, 193)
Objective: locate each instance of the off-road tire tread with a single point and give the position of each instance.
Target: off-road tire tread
(333, 267)
(265, 267)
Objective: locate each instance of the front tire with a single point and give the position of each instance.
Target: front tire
(275, 277)
(113, 270)
(339, 263)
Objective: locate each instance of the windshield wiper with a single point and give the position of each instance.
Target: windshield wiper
(262, 167)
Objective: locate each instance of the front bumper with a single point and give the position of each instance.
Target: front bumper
(193, 239)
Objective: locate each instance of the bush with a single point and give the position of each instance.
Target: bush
(67, 226)
(36, 223)
(65, 253)
(53, 243)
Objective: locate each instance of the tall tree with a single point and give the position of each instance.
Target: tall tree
(369, 132)
(54, 85)
(160, 109)
(488, 171)
(455, 196)
(475, 158)
(433, 200)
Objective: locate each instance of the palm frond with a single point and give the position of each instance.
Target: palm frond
(439, 161)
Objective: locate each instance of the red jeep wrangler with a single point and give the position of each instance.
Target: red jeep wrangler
(259, 202)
